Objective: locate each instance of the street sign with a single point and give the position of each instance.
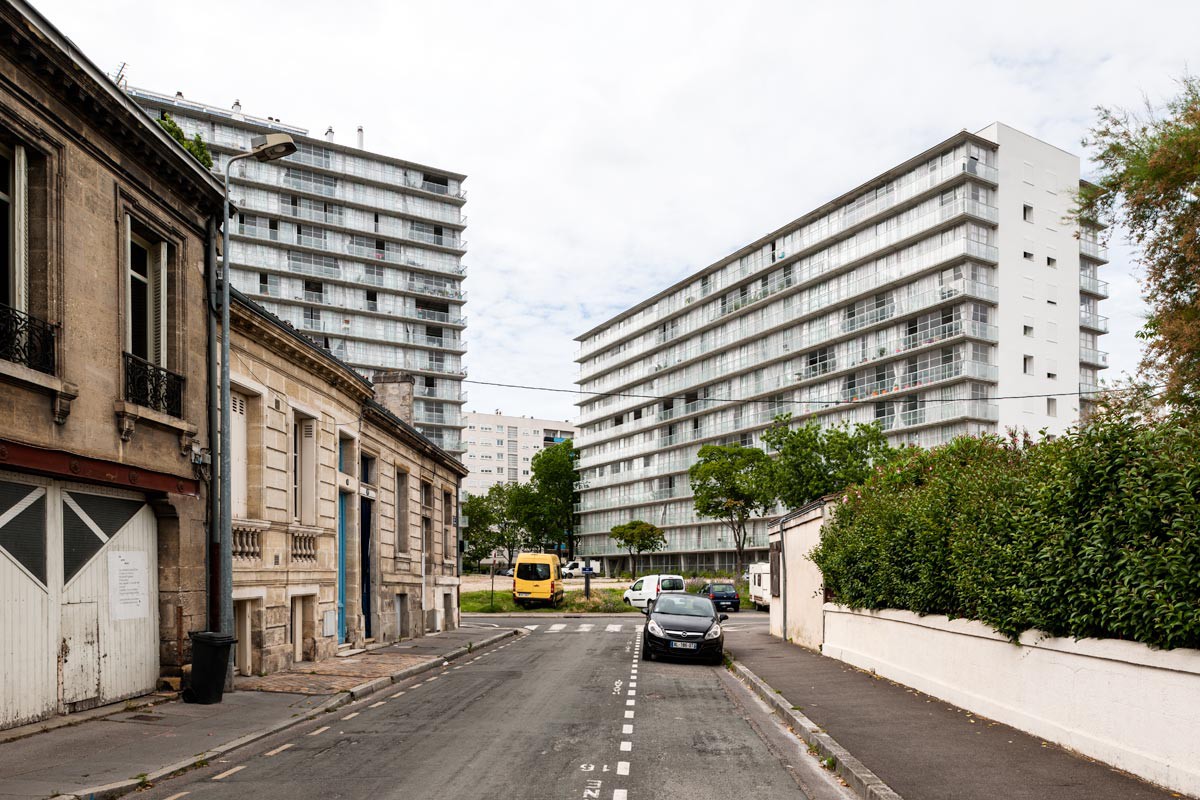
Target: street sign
(589, 570)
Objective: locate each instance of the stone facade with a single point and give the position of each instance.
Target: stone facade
(336, 491)
(91, 181)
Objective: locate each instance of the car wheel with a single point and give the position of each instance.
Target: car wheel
(736, 609)
(717, 660)
(646, 654)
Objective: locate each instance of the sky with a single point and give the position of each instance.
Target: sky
(613, 148)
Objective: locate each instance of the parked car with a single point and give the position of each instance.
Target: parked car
(648, 587)
(724, 596)
(575, 568)
(508, 572)
(537, 579)
(760, 585)
(683, 625)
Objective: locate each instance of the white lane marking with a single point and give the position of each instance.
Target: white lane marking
(626, 747)
(622, 767)
(620, 794)
(377, 705)
(321, 729)
(632, 683)
(584, 627)
(631, 692)
(556, 627)
(397, 694)
(626, 729)
(279, 749)
(228, 772)
(630, 702)
(460, 666)
(177, 796)
(351, 715)
(434, 678)
(628, 715)
(613, 629)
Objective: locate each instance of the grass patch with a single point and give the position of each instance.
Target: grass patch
(603, 601)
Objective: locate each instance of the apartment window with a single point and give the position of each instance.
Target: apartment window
(427, 495)
(312, 319)
(427, 539)
(268, 284)
(366, 469)
(1051, 407)
(304, 469)
(402, 500)
(1027, 367)
(1052, 376)
(447, 525)
(238, 454)
(314, 291)
(1051, 262)
(1027, 212)
(373, 273)
(372, 300)
(1028, 256)
(14, 228)
(1028, 330)
(146, 296)
(499, 442)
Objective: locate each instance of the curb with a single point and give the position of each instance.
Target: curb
(865, 783)
(119, 788)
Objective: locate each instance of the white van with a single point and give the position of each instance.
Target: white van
(760, 585)
(575, 569)
(646, 588)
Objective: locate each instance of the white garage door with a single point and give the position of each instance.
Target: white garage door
(78, 597)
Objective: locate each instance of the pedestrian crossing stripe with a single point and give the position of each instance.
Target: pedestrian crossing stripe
(583, 627)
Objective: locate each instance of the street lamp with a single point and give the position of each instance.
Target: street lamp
(267, 147)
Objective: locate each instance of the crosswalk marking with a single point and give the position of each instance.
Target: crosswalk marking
(582, 627)
(556, 627)
(532, 627)
(585, 627)
(613, 628)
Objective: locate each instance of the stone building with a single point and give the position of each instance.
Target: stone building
(345, 527)
(106, 228)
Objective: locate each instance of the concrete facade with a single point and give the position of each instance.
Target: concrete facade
(797, 590)
(107, 227)
(501, 447)
(347, 534)
(947, 296)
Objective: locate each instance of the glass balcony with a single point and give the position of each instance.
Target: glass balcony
(435, 290)
(934, 412)
(1089, 391)
(1093, 321)
(1093, 250)
(1093, 357)
(1093, 285)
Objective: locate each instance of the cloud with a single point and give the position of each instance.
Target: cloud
(614, 148)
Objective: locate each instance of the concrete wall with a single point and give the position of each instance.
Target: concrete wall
(1120, 702)
(797, 614)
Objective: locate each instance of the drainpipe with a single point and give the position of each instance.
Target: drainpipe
(211, 560)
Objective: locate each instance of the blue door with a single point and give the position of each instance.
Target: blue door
(341, 568)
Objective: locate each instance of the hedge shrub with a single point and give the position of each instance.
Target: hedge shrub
(1094, 534)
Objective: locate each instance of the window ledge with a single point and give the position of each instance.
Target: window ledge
(250, 524)
(129, 414)
(305, 530)
(61, 392)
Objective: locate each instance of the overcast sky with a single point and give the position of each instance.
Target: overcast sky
(613, 148)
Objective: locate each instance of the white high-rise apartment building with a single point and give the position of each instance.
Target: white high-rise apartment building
(359, 251)
(500, 448)
(949, 295)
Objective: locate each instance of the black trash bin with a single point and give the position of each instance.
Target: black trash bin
(210, 662)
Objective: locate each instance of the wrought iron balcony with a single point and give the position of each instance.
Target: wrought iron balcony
(151, 386)
(27, 340)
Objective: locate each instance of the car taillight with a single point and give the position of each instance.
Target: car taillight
(712, 596)
(551, 586)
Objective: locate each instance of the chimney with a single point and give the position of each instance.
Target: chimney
(237, 106)
(394, 391)
(329, 134)
(360, 137)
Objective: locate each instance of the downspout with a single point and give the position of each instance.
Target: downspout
(211, 561)
(783, 598)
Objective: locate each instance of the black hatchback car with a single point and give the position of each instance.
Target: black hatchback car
(685, 626)
(723, 595)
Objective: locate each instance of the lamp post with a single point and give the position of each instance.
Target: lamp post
(267, 147)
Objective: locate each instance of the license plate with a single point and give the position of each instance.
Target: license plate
(684, 645)
(522, 594)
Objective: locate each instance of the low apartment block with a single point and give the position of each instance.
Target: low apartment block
(500, 448)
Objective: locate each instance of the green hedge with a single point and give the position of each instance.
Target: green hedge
(1094, 534)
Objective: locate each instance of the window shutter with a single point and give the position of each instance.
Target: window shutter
(239, 455)
(20, 212)
(158, 308)
(128, 284)
(308, 465)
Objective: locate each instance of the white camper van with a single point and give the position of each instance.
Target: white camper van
(760, 585)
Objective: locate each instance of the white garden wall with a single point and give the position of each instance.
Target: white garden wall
(1120, 702)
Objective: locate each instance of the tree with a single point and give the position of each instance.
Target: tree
(733, 484)
(637, 537)
(479, 536)
(195, 145)
(812, 461)
(554, 478)
(1149, 168)
(506, 501)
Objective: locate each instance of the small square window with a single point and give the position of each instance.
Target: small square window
(1051, 407)
(1052, 376)
(1051, 262)
(1027, 212)
(1028, 330)
(1028, 256)
(1028, 365)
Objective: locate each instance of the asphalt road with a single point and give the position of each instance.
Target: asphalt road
(566, 710)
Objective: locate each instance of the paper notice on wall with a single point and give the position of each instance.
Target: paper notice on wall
(128, 585)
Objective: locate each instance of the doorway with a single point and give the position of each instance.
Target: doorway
(243, 625)
(402, 628)
(341, 569)
(366, 518)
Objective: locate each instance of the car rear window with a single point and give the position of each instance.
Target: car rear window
(533, 572)
(671, 585)
(722, 587)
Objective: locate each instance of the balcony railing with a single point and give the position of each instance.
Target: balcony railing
(27, 340)
(151, 386)
(1093, 285)
(1089, 391)
(1093, 250)
(1093, 321)
(1090, 355)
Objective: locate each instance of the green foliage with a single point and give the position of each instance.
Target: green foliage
(812, 461)
(195, 145)
(1093, 534)
(603, 601)
(554, 478)
(732, 483)
(637, 537)
(1149, 167)
(479, 536)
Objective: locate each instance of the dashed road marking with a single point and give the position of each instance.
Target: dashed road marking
(434, 678)
(626, 729)
(351, 715)
(321, 729)
(632, 683)
(397, 694)
(377, 705)
(177, 796)
(620, 794)
(228, 772)
(279, 749)
(622, 767)
(628, 715)
(631, 692)
(626, 747)
(630, 702)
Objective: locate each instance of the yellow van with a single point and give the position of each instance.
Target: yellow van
(537, 578)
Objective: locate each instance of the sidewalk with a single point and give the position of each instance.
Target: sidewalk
(105, 757)
(921, 747)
